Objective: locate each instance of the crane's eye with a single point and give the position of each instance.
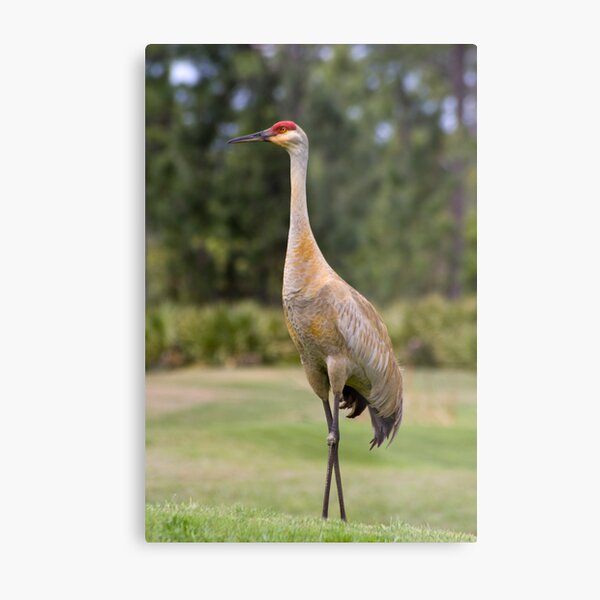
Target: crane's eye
(282, 129)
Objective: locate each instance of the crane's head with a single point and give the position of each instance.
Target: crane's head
(287, 134)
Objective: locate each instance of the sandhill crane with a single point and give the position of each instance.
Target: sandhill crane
(343, 343)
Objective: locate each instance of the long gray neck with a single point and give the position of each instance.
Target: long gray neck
(299, 223)
(303, 258)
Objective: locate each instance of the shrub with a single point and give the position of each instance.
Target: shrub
(435, 332)
(431, 331)
(155, 337)
(240, 333)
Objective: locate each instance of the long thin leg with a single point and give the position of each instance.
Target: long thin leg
(327, 484)
(335, 426)
(328, 414)
(333, 459)
(329, 418)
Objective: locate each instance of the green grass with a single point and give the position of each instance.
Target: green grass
(170, 522)
(255, 437)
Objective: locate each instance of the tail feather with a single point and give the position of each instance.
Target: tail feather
(383, 427)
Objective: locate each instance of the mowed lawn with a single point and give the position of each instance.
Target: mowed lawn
(255, 438)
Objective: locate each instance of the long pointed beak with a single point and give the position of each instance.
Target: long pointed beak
(259, 136)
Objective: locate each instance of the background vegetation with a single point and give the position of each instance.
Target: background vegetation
(430, 331)
(391, 194)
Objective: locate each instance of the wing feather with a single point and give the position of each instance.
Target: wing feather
(370, 347)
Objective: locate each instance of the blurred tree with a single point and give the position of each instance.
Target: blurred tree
(391, 176)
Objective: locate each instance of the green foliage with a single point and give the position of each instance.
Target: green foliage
(240, 333)
(432, 331)
(155, 337)
(435, 332)
(171, 522)
(391, 181)
(221, 333)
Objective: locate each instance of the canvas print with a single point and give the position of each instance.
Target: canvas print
(311, 293)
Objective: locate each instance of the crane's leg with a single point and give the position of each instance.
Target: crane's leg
(329, 418)
(335, 430)
(333, 460)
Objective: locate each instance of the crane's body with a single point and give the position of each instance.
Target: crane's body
(342, 341)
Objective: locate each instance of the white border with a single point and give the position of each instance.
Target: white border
(71, 242)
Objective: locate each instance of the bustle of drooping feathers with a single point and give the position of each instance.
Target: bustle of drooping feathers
(286, 124)
(383, 427)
